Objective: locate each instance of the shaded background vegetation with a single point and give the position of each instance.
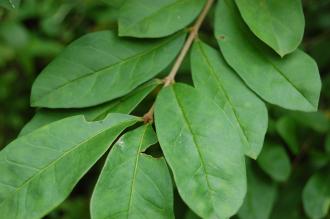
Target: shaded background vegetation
(31, 36)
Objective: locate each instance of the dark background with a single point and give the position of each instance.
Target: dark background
(31, 36)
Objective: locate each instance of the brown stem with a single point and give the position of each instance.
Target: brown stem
(148, 117)
(193, 34)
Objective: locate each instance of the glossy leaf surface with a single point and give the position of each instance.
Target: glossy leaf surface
(203, 150)
(133, 184)
(292, 82)
(100, 67)
(39, 170)
(213, 77)
(157, 18)
(123, 105)
(280, 24)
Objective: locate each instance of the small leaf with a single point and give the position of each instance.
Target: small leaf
(123, 105)
(100, 67)
(287, 129)
(212, 76)
(39, 170)
(317, 121)
(275, 162)
(133, 184)
(292, 82)
(203, 150)
(150, 18)
(260, 197)
(280, 24)
(316, 195)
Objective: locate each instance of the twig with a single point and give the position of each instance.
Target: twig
(148, 117)
(193, 34)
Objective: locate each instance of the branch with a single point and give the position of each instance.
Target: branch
(193, 34)
(170, 79)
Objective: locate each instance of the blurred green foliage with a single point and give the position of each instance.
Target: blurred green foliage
(31, 36)
(34, 33)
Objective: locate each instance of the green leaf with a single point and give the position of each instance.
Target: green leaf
(280, 24)
(316, 157)
(287, 129)
(317, 121)
(203, 150)
(213, 77)
(123, 105)
(100, 67)
(133, 184)
(316, 195)
(292, 82)
(288, 202)
(275, 162)
(39, 170)
(260, 197)
(154, 18)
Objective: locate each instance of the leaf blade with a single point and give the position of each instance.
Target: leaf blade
(260, 197)
(96, 68)
(287, 129)
(275, 161)
(193, 152)
(31, 187)
(292, 82)
(141, 183)
(248, 113)
(148, 18)
(284, 21)
(123, 105)
(316, 195)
